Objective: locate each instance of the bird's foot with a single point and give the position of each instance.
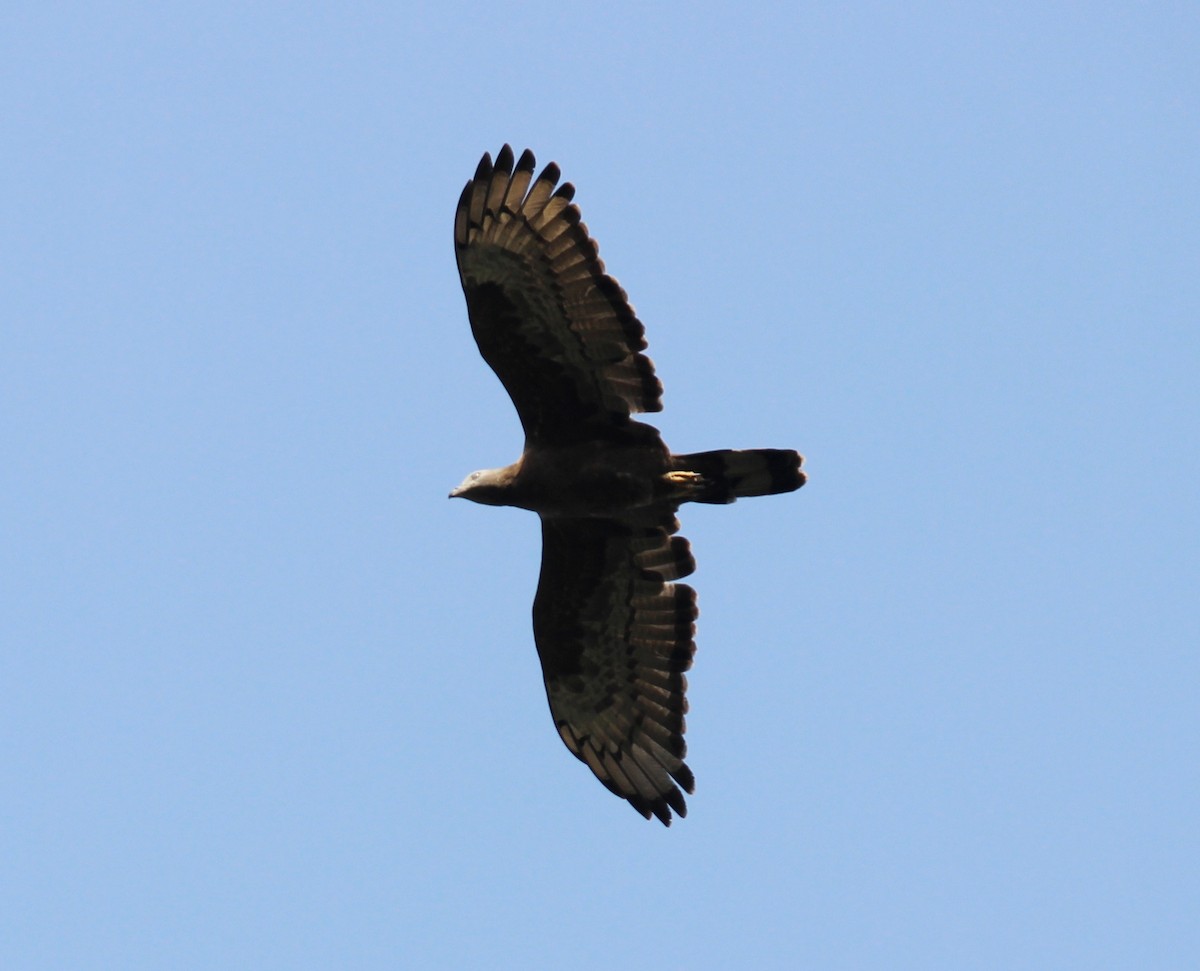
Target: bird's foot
(684, 484)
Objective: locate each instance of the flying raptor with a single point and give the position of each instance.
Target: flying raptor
(614, 631)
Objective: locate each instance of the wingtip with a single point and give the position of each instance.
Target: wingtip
(484, 169)
(551, 173)
(661, 807)
(504, 159)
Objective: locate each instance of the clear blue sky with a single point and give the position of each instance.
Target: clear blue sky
(271, 701)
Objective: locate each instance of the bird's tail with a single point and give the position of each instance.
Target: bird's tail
(728, 474)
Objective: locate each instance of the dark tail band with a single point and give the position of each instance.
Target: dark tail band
(730, 474)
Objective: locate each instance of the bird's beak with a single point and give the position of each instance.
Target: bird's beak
(454, 493)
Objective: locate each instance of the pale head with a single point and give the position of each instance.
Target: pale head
(488, 486)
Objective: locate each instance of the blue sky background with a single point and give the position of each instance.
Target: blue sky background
(271, 701)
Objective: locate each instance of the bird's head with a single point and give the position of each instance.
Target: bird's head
(488, 486)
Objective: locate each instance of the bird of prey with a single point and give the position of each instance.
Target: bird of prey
(613, 629)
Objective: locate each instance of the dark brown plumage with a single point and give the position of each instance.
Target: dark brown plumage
(613, 629)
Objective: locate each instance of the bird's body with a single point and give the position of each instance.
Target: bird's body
(613, 630)
(584, 479)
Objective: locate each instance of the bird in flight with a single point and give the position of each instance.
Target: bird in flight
(613, 629)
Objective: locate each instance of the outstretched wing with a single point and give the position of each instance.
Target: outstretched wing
(615, 637)
(557, 330)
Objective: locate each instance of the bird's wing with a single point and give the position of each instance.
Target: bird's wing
(557, 330)
(615, 637)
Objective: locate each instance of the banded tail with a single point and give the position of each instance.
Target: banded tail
(731, 474)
